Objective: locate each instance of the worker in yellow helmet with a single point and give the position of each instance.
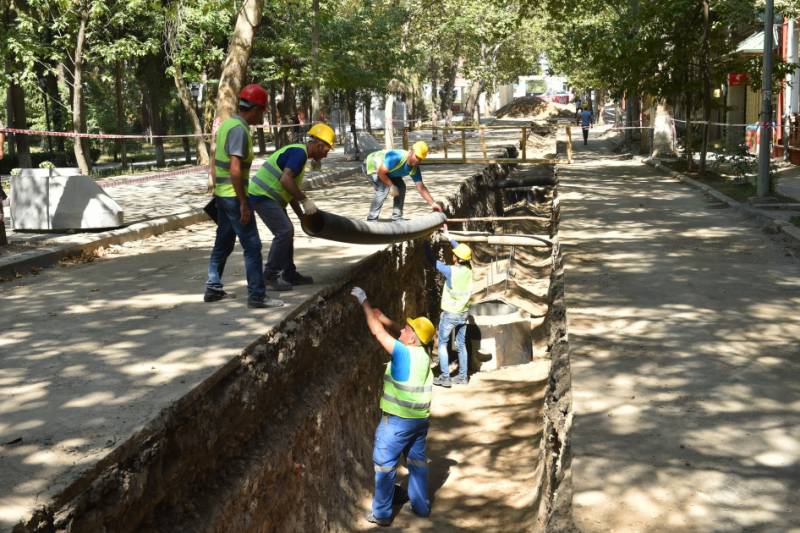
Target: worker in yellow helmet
(456, 294)
(276, 184)
(386, 169)
(406, 403)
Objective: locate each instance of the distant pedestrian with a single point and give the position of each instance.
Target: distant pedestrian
(456, 295)
(386, 169)
(586, 119)
(278, 183)
(406, 403)
(233, 156)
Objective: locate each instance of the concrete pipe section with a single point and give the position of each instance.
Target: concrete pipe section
(342, 229)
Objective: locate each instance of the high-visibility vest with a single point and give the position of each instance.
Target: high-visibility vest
(410, 398)
(375, 160)
(456, 299)
(267, 181)
(222, 161)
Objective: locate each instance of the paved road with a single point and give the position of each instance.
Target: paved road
(684, 331)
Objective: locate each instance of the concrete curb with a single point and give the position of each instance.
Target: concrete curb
(789, 229)
(53, 250)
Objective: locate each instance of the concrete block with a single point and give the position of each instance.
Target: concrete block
(60, 199)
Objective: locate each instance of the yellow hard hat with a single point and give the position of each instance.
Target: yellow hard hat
(420, 149)
(423, 328)
(462, 251)
(323, 132)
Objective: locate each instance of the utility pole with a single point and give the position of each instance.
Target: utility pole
(762, 188)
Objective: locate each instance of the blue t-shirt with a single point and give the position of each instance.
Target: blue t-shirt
(446, 269)
(586, 118)
(401, 361)
(293, 159)
(392, 158)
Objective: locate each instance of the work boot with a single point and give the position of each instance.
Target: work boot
(277, 283)
(383, 522)
(400, 496)
(442, 381)
(296, 278)
(215, 295)
(264, 303)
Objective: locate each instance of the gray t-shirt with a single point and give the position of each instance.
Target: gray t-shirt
(236, 143)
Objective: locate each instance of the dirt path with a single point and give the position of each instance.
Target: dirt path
(684, 337)
(483, 448)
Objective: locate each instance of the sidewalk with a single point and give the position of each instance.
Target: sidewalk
(684, 334)
(153, 203)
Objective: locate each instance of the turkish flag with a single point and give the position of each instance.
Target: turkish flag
(737, 78)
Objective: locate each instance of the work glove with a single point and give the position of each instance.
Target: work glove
(359, 294)
(309, 207)
(394, 191)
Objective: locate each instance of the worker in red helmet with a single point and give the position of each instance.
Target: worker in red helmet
(233, 155)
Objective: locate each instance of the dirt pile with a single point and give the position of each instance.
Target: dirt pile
(536, 108)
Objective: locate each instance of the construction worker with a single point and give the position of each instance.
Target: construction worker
(232, 160)
(386, 168)
(405, 403)
(456, 295)
(276, 184)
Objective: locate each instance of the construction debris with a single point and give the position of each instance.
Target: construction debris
(535, 108)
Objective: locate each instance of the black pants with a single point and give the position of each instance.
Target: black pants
(585, 135)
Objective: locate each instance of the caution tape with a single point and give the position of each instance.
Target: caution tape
(75, 134)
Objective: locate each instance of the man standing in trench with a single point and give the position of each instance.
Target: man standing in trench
(386, 169)
(276, 184)
(406, 402)
(233, 156)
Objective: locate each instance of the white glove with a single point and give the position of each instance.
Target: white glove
(394, 191)
(309, 207)
(359, 294)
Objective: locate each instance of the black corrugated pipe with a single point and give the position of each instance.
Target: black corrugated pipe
(338, 228)
(537, 181)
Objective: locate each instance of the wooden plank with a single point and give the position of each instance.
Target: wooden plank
(483, 142)
(464, 146)
(480, 161)
(569, 144)
(445, 142)
(524, 144)
(498, 219)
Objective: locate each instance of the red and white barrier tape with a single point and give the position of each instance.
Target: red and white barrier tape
(75, 134)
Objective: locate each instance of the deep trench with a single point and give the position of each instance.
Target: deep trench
(280, 438)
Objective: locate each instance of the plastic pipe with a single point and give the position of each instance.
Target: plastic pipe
(342, 229)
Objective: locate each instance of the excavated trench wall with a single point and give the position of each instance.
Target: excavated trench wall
(280, 439)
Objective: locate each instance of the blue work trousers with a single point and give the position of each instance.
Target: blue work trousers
(281, 251)
(447, 323)
(229, 227)
(381, 192)
(394, 436)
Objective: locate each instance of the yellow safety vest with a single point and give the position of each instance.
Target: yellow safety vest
(410, 398)
(456, 299)
(375, 160)
(267, 181)
(222, 161)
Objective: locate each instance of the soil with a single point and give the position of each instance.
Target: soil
(536, 108)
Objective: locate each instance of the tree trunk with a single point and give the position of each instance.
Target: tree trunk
(78, 117)
(19, 120)
(188, 107)
(235, 66)
(447, 89)
(273, 112)
(689, 154)
(351, 111)
(61, 92)
(434, 103)
(706, 88)
(475, 90)
(122, 147)
(315, 98)
(367, 98)
(388, 122)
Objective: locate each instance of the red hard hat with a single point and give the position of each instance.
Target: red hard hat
(254, 94)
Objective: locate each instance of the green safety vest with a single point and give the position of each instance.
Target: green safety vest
(222, 161)
(267, 181)
(412, 398)
(375, 160)
(456, 300)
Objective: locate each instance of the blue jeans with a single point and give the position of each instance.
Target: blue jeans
(394, 436)
(281, 251)
(381, 192)
(229, 226)
(447, 323)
